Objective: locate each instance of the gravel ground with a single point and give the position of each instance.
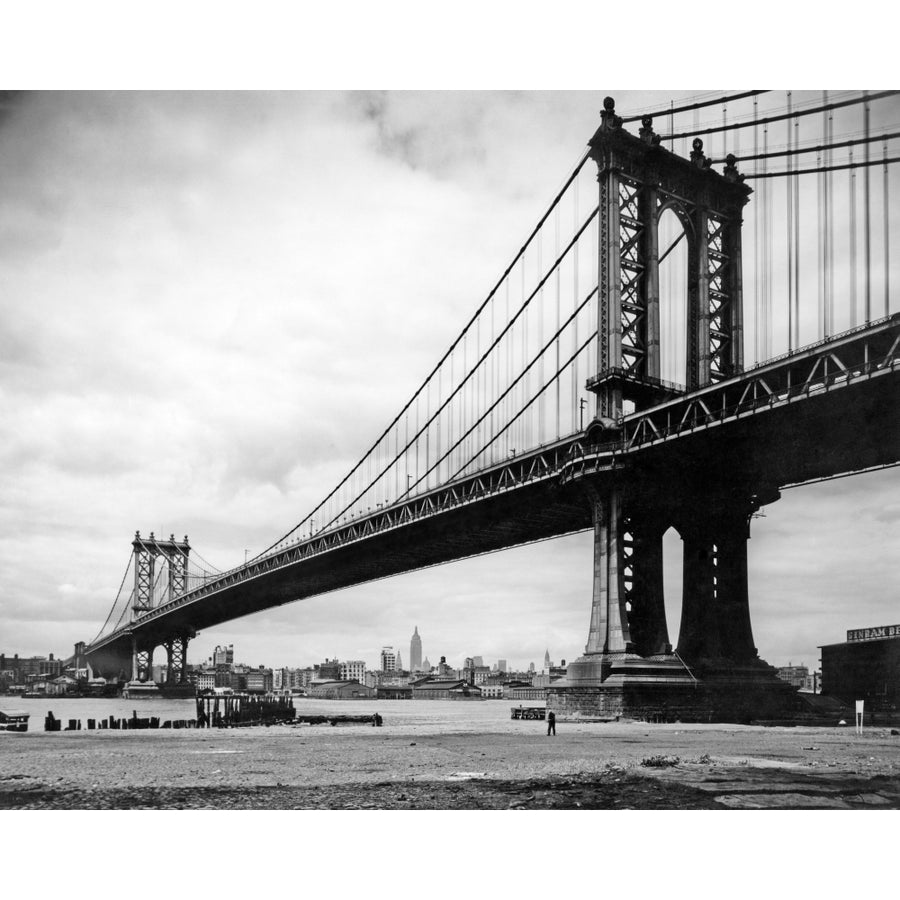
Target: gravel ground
(587, 766)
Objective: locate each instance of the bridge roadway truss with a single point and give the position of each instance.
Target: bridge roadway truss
(700, 458)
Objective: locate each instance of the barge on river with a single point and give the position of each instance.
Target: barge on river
(14, 720)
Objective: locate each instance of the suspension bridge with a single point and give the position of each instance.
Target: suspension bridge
(701, 318)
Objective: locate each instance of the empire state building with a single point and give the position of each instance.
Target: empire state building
(415, 652)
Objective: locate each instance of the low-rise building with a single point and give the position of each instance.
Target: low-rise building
(340, 690)
(388, 660)
(394, 692)
(330, 670)
(798, 676)
(62, 685)
(259, 681)
(353, 670)
(865, 667)
(204, 679)
(525, 692)
(445, 689)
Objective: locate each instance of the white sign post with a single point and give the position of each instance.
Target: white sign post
(859, 716)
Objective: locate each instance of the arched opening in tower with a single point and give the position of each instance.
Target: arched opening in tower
(673, 297)
(673, 583)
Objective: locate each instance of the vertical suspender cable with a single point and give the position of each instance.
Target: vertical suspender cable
(868, 214)
(541, 406)
(463, 406)
(509, 350)
(525, 380)
(887, 236)
(756, 233)
(452, 408)
(790, 231)
(797, 244)
(672, 125)
(829, 231)
(479, 387)
(825, 248)
(594, 363)
(437, 446)
(852, 204)
(495, 363)
(558, 319)
(574, 403)
(766, 267)
(724, 129)
(820, 268)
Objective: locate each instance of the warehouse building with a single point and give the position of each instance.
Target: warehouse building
(865, 667)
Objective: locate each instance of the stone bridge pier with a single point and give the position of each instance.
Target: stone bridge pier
(630, 666)
(142, 655)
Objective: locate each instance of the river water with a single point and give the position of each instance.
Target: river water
(419, 715)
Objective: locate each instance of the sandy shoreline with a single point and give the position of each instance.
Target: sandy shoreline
(426, 766)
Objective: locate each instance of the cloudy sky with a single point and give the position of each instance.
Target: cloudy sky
(212, 303)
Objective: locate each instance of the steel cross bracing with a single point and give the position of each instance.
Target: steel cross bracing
(632, 271)
(721, 326)
(810, 375)
(863, 353)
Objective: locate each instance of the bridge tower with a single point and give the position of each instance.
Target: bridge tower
(630, 665)
(175, 556)
(639, 180)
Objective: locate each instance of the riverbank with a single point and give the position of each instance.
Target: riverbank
(454, 765)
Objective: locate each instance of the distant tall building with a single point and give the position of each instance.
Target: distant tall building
(443, 669)
(477, 661)
(223, 656)
(353, 670)
(388, 659)
(531, 668)
(399, 662)
(547, 662)
(330, 670)
(415, 652)
(501, 665)
(426, 665)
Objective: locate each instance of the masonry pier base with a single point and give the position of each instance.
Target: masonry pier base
(629, 667)
(655, 692)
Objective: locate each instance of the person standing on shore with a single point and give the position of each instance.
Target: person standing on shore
(551, 723)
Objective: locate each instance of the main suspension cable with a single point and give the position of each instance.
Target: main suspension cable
(694, 106)
(112, 609)
(796, 151)
(780, 118)
(820, 169)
